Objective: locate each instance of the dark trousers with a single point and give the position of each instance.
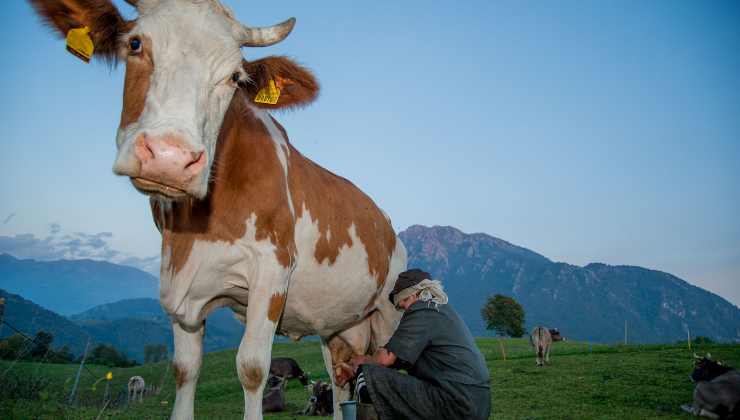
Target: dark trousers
(399, 396)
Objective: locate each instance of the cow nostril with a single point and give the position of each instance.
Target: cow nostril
(144, 149)
(198, 159)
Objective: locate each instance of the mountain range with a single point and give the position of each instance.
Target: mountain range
(586, 303)
(72, 286)
(116, 304)
(129, 325)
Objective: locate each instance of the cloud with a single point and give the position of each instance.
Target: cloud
(78, 245)
(9, 218)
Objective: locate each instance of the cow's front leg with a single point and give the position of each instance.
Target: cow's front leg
(186, 367)
(266, 303)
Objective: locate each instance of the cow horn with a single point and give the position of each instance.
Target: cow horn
(266, 36)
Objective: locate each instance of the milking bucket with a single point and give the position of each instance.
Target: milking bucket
(349, 409)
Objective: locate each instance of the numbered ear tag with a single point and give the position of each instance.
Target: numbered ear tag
(80, 44)
(268, 95)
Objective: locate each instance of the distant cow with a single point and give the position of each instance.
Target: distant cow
(288, 368)
(541, 339)
(136, 387)
(273, 399)
(320, 401)
(717, 391)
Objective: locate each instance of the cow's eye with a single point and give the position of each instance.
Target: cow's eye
(235, 77)
(134, 45)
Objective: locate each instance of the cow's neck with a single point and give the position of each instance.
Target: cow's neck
(248, 182)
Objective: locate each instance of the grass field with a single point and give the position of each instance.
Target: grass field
(582, 382)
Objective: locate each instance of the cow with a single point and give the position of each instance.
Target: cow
(247, 222)
(288, 368)
(273, 399)
(541, 339)
(136, 387)
(320, 400)
(717, 391)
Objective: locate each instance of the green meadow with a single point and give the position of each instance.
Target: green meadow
(582, 382)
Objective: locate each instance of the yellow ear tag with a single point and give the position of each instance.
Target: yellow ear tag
(80, 44)
(268, 95)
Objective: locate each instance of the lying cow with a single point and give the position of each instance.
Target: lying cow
(288, 368)
(320, 401)
(541, 339)
(273, 399)
(136, 387)
(717, 391)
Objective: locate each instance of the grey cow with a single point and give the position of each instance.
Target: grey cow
(541, 339)
(273, 399)
(717, 391)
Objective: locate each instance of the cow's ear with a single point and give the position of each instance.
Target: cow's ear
(296, 85)
(105, 23)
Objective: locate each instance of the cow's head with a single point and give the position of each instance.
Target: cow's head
(320, 402)
(706, 369)
(555, 334)
(183, 66)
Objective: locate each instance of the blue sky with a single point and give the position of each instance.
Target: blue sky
(585, 131)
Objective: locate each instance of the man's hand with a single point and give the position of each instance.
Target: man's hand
(359, 359)
(343, 373)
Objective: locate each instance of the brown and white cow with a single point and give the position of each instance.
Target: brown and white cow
(541, 339)
(247, 222)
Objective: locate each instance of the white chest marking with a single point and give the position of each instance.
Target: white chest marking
(281, 148)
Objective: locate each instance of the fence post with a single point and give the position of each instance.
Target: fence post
(503, 351)
(79, 370)
(688, 337)
(625, 332)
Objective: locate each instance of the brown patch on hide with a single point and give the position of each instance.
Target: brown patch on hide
(180, 375)
(298, 87)
(337, 204)
(101, 16)
(139, 69)
(246, 180)
(277, 302)
(250, 375)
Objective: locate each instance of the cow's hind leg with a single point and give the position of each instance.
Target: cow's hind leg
(265, 307)
(186, 366)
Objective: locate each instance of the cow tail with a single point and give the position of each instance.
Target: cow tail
(540, 345)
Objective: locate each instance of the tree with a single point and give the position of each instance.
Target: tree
(154, 353)
(41, 344)
(63, 355)
(12, 347)
(109, 356)
(504, 315)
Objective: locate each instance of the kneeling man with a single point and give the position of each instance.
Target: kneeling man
(447, 375)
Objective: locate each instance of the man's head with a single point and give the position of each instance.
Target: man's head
(403, 295)
(409, 300)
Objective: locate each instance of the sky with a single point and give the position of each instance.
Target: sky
(586, 131)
